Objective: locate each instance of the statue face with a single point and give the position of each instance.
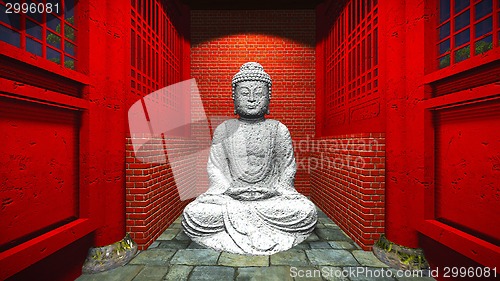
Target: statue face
(251, 99)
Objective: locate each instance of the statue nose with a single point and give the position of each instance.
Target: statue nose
(251, 97)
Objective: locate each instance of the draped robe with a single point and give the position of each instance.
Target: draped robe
(251, 206)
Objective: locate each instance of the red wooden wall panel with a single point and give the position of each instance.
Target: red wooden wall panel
(467, 182)
(39, 190)
(351, 99)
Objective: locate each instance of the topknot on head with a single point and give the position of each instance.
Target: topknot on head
(251, 71)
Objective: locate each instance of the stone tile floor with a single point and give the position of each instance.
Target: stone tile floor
(328, 254)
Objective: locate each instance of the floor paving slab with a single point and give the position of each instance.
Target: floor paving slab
(235, 260)
(176, 225)
(153, 257)
(169, 234)
(320, 225)
(271, 273)
(182, 236)
(341, 245)
(154, 245)
(211, 273)
(291, 257)
(321, 214)
(331, 225)
(152, 273)
(195, 257)
(194, 245)
(331, 234)
(173, 244)
(302, 246)
(319, 245)
(178, 273)
(331, 257)
(312, 237)
(366, 258)
(122, 273)
(325, 220)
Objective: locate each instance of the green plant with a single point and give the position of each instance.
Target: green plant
(55, 40)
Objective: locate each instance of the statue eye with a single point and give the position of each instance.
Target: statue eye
(244, 92)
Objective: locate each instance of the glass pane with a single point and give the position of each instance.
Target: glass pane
(483, 45)
(69, 62)
(444, 47)
(53, 40)
(444, 10)
(462, 38)
(462, 20)
(53, 23)
(33, 47)
(35, 16)
(460, 5)
(483, 8)
(10, 36)
(69, 14)
(484, 27)
(10, 19)
(444, 31)
(444, 61)
(69, 32)
(462, 54)
(53, 55)
(33, 29)
(69, 48)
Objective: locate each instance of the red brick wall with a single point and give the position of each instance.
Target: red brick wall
(348, 183)
(283, 41)
(153, 200)
(159, 52)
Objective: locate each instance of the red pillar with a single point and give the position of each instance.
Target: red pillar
(108, 52)
(402, 59)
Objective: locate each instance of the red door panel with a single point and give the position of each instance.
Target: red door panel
(468, 168)
(38, 169)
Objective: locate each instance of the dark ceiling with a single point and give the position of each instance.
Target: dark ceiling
(251, 4)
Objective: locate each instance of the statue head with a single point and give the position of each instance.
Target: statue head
(251, 91)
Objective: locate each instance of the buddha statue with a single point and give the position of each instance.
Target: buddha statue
(251, 206)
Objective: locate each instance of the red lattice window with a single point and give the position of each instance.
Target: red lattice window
(45, 28)
(351, 61)
(466, 28)
(156, 47)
